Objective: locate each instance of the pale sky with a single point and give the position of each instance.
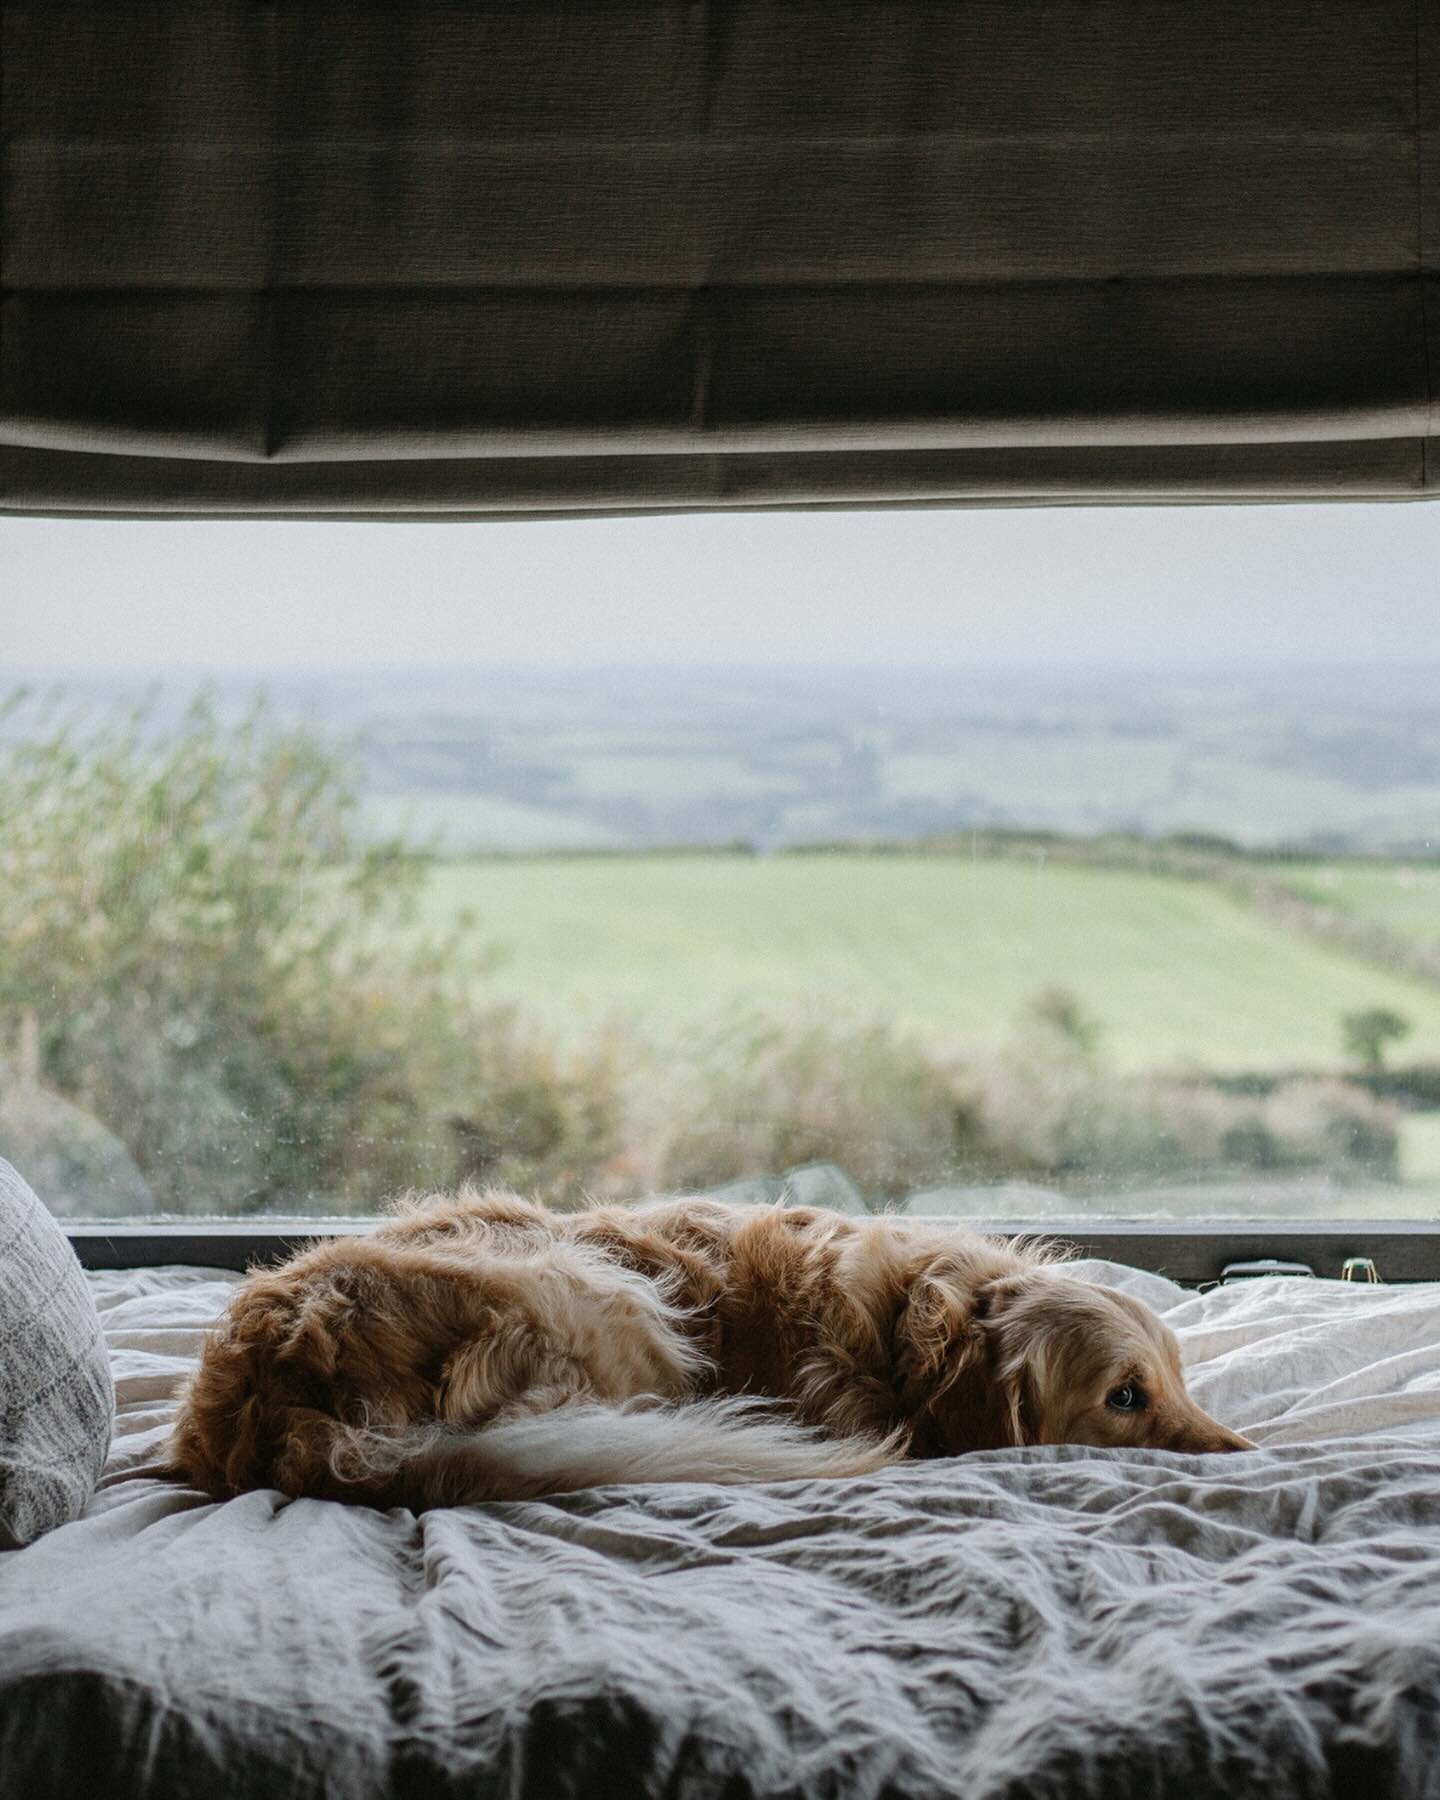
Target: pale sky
(838, 589)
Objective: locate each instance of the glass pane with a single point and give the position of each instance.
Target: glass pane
(1006, 865)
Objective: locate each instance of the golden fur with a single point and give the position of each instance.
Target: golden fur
(481, 1347)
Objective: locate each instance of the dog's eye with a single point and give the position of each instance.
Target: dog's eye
(1129, 1398)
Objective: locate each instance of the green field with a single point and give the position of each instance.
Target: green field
(1402, 897)
(1177, 972)
(1420, 1153)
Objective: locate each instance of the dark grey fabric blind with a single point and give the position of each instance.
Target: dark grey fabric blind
(500, 257)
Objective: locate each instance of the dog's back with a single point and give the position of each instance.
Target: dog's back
(417, 1364)
(480, 1347)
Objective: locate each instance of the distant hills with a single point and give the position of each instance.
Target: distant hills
(1318, 759)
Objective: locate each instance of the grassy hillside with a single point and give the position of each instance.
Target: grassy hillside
(1174, 970)
(193, 1014)
(1401, 897)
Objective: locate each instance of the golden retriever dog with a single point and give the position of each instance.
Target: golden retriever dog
(480, 1347)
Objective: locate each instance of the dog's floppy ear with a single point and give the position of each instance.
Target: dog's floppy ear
(945, 1367)
(929, 1334)
(1009, 1366)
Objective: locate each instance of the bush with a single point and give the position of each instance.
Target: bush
(1057, 1115)
(1335, 1123)
(1062, 1011)
(766, 1095)
(757, 1094)
(198, 951)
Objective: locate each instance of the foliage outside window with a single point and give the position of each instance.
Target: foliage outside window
(219, 994)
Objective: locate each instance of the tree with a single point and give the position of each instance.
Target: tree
(1367, 1033)
(199, 949)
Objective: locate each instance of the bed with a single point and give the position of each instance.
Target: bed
(1055, 1621)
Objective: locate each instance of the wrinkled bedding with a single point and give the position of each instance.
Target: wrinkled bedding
(1055, 1621)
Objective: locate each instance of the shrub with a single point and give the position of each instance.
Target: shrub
(1335, 1123)
(199, 952)
(1062, 1011)
(1061, 1117)
(763, 1094)
(766, 1095)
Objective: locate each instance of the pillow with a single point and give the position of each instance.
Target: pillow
(56, 1397)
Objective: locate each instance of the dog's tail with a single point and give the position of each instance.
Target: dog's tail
(587, 1444)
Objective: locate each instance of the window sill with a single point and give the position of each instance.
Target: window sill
(1402, 1250)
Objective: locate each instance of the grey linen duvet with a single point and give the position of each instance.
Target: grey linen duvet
(1057, 1621)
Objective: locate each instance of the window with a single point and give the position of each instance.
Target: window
(998, 864)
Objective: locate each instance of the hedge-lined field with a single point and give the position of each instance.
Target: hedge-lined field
(1174, 971)
(1401, 897)
(217, 996)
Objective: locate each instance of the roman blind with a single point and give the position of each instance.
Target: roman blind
(526, 257)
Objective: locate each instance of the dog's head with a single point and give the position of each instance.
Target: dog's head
(1045, 1358)
(1079, 1364)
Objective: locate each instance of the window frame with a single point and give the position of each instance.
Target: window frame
(1402, 1250)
